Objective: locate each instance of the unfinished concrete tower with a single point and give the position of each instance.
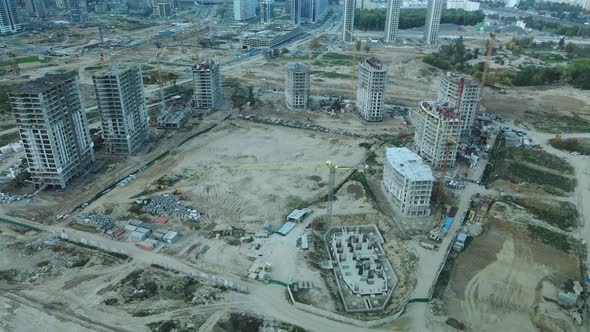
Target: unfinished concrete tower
(348, 20)
(392, 22)
(433, 14)
(436, 126)
(462, 93)
(123, 113)
(50, 116)
(296, 85)
(208, 93)
(408, 180)
(370, 91)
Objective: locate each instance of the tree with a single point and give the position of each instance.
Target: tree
(367, 47)
(314, 44)
(561, 43)
(357, 44)
(284, 50)
(578, 73)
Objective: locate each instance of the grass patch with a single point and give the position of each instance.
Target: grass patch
(25, 59)
(330, 74)
(562, 214)
(92, 115)
(9, 138)
(572, 144)
(517, 173)
(507, 164)
(538, 157)
(295, 203)
(556, 123)
(83, 227)
(551, 238)
(334, 59)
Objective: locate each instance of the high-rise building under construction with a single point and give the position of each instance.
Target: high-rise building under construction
(437, 134)
(49, 113)
(461, 92)
(296, 85)
(207, 93)
(123, 113)
(370, 91)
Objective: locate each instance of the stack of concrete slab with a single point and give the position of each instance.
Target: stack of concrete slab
(168, 205)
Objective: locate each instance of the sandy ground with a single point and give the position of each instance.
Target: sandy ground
(494, 281)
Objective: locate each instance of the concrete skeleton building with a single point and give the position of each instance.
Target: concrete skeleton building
(408, 181)
(123, 113)
(266, 11)
(296, 85)
(348, 20)
(51, 120)
(208, 93)
(244, 9)
(8, 17)
(370, 91)
(461, 92)
(436, 126)
(392, 20)
(433, 15)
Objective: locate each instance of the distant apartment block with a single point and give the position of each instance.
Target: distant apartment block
(8, 17)
(266, 11)
(433, 15)
(348, 20)
(392, 20)
(164, 9)
(313, 10)
(461, 92)
(469, 6)
(436, 126)
(370, 91)
(78, 11)
(123, 113)
(36, 8)
(408, 180)
(244, 9)
(208, 93)
(50, 116)
(296, 85)
(293, 8)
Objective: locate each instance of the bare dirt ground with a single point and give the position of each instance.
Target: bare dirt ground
(493, 283)
(542, 108)
(213, 181)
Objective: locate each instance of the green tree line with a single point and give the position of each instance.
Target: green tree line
(454, 56)
(374, 19)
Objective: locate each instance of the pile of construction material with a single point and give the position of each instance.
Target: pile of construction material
(168, 205)
(101, 222)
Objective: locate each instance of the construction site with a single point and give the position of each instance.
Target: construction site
(204, 173)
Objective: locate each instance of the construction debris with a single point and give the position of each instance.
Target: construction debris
(101, 222)
(168, 205)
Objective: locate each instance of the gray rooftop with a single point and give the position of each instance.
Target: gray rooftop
(409, 164)
(43, 83)
(296, 67)
(115, 69)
